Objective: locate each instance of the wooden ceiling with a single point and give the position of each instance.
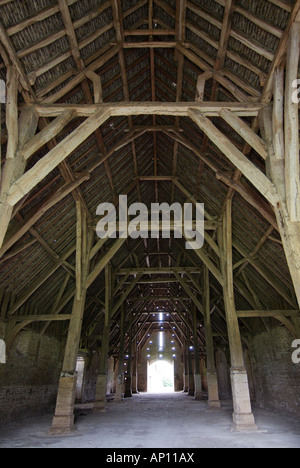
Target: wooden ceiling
(160, 54)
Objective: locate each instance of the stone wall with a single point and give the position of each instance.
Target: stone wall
(276, 378)
(29, 379)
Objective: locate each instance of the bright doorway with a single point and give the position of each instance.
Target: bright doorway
(161, 377)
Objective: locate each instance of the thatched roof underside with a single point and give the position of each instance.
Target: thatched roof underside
(41, 47)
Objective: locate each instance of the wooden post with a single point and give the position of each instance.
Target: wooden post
(63, 421)
(191, 390)
(243, 419)
(134, 368)
(128, 378)
(100, 400)
(120, 378)
(19, 132)
(279, 143)
(197, 374)
(212, 377)
(185, 368)
(292, 168)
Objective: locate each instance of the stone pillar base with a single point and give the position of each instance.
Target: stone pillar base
(243, 418)
(100, 400)
(213, 390)
(198, 387)
(214, 404)
(99, 407)
(63, 421)
(62, 425)
(119, 396)
(244, 423)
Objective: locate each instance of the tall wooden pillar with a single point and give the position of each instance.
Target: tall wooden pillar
(185, 368)
(212, 377)
(19, 132)
(100, 400)
(128, 379)
(280, 130)
(243, 418)
(63, 421)
(191, 391)
(120, 377)
(197, 374)
(135, 351)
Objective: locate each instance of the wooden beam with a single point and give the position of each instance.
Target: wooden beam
(267, 313)
(245, 132)
(177, 109)
(292, 166)
(41, 318)
(20, 130)
(104, 261)
(158, 270)
(55, 198)
(125, 294)
(49, 132)
(187, 289)
(236, 157)
(243, 416)
(43, 167)
(150, 45)
(280, 53)
(71, 84)
(40, 280)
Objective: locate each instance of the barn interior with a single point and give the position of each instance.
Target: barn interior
(164, 102)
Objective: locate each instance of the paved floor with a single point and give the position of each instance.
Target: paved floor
(155, 421)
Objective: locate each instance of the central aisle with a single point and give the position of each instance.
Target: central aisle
(155, 421)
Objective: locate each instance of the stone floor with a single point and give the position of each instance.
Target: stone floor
(156, 421)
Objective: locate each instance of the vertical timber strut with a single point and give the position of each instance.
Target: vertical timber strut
(243, 419)
(100, 402)
(63, 421)
(212, 377)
